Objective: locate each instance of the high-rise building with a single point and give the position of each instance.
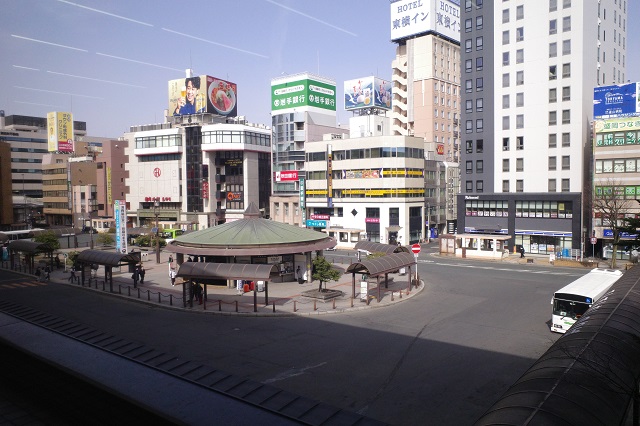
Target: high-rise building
(529, 70)
(426, 96)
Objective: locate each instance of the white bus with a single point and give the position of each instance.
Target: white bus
(572, 301)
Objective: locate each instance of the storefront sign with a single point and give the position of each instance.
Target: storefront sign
(316, 223)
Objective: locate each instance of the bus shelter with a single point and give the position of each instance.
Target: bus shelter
(88, 259)
(30, 249)
(381, 266)
(202, 271)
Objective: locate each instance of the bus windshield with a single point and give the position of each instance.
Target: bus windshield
(569, 309)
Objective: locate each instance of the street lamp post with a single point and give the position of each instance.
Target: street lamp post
(156, 204)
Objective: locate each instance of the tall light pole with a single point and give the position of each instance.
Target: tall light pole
(156, 204)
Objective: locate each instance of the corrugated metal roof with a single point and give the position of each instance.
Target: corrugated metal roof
(107, 258)
(382, 265)
(26, 246)
(232, 271)
(372, 247)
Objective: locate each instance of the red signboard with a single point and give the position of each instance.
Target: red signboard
(440, 149)
(372, 220)
(205, 189)
(320, 217)
(286, 175)
(234, 196)
(415, 248)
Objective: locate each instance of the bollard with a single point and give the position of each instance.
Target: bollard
(392, 295)
(159, 297)
(294, 306)
(171, 300)
(119, 289)
(129, 291)
(219, 305)
(334, 303)
(352, 301)
(138, 293)
(236, 306)
(274, 307)
(102, 285)
(204, 302)
(314, 305)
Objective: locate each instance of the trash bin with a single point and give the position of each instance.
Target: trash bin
(565, 253)
(260, 286)
(252, 286)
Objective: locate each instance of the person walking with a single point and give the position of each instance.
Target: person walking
(72, 277)
(135, 277)
(142, 273)
(521, 252)
(172, 276)
(299, 275)
(47, 273)
(38, 273)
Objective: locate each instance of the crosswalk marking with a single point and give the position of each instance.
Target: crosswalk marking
(22, 284)
(494, 268)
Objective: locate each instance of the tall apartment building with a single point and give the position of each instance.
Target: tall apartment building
(426, 94)
(529, 70)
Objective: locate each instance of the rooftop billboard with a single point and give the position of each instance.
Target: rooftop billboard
(413, 17)
(303, 93)
(367, 92)
(60, 133)
(616, 101)
(198, 94)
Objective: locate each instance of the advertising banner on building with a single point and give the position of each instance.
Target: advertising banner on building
(616, 101)
(60, 131)
(120, 216)
(303, 93)
(200, 94)
(303, 200)
(413, 17)
(367, 92)
(286, 175)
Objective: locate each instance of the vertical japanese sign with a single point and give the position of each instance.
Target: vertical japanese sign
(109, 194)
(60, 131)
(120, 214)
(329, 176)
(205, 189)
(303, 204)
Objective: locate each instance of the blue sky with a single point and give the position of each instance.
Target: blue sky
(109, 62)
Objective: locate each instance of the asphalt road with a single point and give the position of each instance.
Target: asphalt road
(441, 357)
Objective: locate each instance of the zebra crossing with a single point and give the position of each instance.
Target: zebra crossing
(497, 268)
(23, 283)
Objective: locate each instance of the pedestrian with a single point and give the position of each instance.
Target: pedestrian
(72, 277)
(57, 261)
(198, 293)
(299, 275)
(47, 273)
(521, 252)
(135, 277)
(172, 276)
(38, 273)
(189, 259)
(170, 259)
(142, 273)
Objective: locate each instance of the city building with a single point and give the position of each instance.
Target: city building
(303, 109)
(426, 96)
(529, 74)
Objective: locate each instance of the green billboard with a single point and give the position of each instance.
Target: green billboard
(303, 93)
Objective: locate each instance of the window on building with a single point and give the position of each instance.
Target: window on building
(505, 16)
(469, 145)
(553, 5)
(505, 101)
(520, 34)
(566, 70)
(551, 186)
(519, 164)
(553, 118)
(553, 140)
(505, 165)
(566, 47)
(468, 43)
(519, 185)
(565, 185)
(566, 24)
(553, 50)
(468, 186)
(479, 146)
(520, 122)
(553, 96)
(505, 122)
(505, 186)
(566, 93)
(468, 65)
(566, 116)
(479, 22)
(469, 126)
(479, 125)
(468, 25)
(553, 74)
(520, 99)
(519, 56)
(553, 26)
(505, 80)
(519, 78)
(505, 58)
(479, 62)
(468, 85)
(552, 163)
(520, 12)
(505, 37)
(479, 104)
(469, 165)
(479, 166)
(505, 144)
(479, 84)
(567, 3)
(566, 163)
(479, 186)
(479, 42)
(566, 139)
(469, 105)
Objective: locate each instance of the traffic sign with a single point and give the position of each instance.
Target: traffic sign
(594, 240)
(415, 248)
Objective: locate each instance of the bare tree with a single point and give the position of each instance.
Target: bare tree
(610, 204)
